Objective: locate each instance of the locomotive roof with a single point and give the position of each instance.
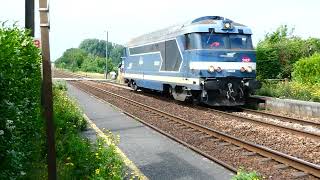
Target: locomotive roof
(201, 24)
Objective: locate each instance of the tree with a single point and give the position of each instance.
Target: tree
(280, 34)
(97, 47)
(116, 54)
(94, 47)
(277, 53)
(96, 64)
(71, 59)
(91, 56)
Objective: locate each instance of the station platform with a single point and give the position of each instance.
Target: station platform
(155, 155)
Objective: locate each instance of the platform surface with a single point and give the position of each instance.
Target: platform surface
(157, 156)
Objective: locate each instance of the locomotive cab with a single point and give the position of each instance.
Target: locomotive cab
(226, 64)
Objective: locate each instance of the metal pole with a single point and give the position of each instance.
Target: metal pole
(29, 16)
(47, 104)
(107, 57)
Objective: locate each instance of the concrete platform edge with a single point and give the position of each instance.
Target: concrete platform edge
(302, 108)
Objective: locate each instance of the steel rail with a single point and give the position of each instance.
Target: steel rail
(290, 119)
(292, 161)
(279, 126)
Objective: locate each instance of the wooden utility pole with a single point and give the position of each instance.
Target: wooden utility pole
(29, 16)
(107, 56)
(47, 103)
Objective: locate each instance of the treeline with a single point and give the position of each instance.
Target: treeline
(280, 50)
(90, 56)
(281, 55)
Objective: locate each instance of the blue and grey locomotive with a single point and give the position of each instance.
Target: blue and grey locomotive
(210, 60)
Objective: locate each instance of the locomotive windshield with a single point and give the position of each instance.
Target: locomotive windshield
(218, 41)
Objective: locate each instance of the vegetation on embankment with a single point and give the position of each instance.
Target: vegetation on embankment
(284, 56)
(305, 83)
(91, 57)
(77, 157)
(22, 130)
(290, 90)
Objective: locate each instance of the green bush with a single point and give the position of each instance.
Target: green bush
(21, 132)
(268, 65)
(22, 135)
(307, 70)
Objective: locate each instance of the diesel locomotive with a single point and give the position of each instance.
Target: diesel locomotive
(209, 60)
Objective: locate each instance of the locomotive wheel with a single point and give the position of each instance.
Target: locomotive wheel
(134, 86)
(170, 90)
(196, 100)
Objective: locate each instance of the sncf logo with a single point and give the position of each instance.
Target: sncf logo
(245, 59)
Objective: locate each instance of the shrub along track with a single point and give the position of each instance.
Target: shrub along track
(201, 137)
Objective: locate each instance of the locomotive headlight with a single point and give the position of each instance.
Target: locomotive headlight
(242, 69)
(218, 69)
(227, 25)
(249, 69)
(211, 69)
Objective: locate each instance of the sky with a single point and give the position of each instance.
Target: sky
(72, 21)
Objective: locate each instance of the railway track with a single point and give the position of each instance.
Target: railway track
(280, 117)
(209, 134)
(249, 112)
(303, 133)
(261, 121)
(65, 74)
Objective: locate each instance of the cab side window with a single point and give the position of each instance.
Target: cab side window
(187, 36)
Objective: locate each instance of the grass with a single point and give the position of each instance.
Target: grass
(290, 90)
(86, 74)
(246, 175)
(91, 74)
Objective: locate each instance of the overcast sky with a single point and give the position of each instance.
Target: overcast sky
(74, 20)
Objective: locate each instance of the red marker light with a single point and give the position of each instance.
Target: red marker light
(214, 44)
(245, 59)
